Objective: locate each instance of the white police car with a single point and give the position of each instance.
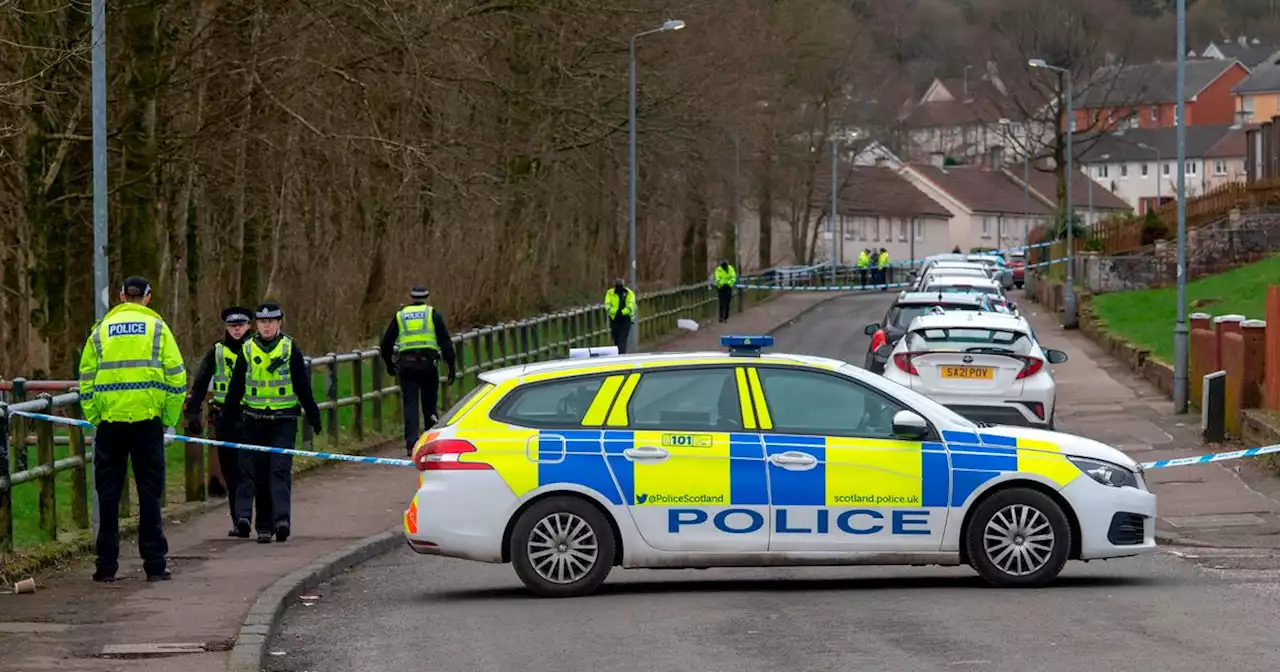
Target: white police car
(569, 468)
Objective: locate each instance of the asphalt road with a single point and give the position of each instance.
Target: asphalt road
(1167, 611)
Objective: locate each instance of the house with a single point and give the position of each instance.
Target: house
(1249, 52)
(880, 208)
(1258, 95)
(961, 117)
(874, 154)
(1139, 165)
(1145, 96)
(988, 208)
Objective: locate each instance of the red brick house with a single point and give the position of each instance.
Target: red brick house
(1145, 96)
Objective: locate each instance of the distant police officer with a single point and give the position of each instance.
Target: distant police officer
(215, 376)
(864, 260)
(726, 276)
(132, 382)
(620, 306)
(271, 387)
(411, 346)
(882, 269)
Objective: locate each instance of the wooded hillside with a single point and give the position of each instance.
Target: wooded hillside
(332, 153)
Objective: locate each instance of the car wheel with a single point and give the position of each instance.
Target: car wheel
(562, 547)
(1018, 538)
(1018, 285)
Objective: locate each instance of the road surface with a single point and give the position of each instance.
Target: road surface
(1168, 611)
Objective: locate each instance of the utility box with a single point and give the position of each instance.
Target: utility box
(1213, 407)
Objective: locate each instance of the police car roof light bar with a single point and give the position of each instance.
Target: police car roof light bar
(746, 346)
(597, 351)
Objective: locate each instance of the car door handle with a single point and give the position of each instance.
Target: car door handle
(793, 458)
(646, 453)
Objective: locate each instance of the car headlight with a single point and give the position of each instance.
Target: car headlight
(1106, 473)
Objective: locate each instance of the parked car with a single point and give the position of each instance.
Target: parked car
(951, 268)
(1018, 267)
(985, 366)
(971, 285)
(907, 307)
(1001, 272)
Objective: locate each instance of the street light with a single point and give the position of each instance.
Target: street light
(1069, 292)
(633, 338)
(1159, 198)
(1180, 349)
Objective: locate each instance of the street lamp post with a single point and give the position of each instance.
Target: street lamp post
(1180, 349)
(835, 166)
(633, 337)
(1069, 292)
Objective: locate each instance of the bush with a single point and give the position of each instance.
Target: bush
(1153, 228)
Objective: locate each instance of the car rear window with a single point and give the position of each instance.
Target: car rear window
(958, 289)
(969, 339)
(901, 316)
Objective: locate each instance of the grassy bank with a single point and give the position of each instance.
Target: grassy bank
(1146, 317)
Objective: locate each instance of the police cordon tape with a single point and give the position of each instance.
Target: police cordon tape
(851, 288)
(395, 462)
(386, 461)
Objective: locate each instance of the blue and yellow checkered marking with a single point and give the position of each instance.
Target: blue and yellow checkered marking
(730, 469)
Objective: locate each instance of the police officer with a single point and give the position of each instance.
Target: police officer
(215, 376)
(882, 268)
(412, 344)
(132, 381)
(864, 261)
(271, 387)
(620, 306)
(726, 276)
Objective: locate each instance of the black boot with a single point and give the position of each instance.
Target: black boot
(242, 528)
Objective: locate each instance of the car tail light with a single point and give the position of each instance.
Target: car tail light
(903, 361)
(1036, 407)
(1031, 368)
(443, 454)
(878, 340)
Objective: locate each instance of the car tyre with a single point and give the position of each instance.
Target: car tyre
(1018, 285)
(1008, 534)
(551, 542)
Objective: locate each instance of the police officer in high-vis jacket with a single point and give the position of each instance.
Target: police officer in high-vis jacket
(412, 344)
(132, 382)
(215, 377)
(270, 388)
(620, 306)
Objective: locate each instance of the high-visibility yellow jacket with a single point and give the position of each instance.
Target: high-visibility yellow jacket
(726, 277)
(131, 369)
(883, 261)
(417, 328)
(864, 259)
(612, 304)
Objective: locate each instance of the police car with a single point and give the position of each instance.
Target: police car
(743, 458)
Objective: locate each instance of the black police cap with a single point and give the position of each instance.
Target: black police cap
(419, 292)
(136, 286)
(236, 315)
(269, 311)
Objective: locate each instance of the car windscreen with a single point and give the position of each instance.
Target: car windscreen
(901, 316)
(969, 339)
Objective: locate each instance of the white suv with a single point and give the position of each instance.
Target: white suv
(987, 367)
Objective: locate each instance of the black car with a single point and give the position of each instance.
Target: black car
(910, 305)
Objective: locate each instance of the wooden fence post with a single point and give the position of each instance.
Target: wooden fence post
(79, 475)
(377, 395)
(48, 482)
(333, 397)
(6, 499)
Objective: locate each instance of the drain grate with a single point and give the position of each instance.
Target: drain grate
(151, 649)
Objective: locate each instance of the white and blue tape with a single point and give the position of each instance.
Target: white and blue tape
(394, 462)
(360, 459)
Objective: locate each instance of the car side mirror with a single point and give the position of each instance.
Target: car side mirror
(1055, 356)
(909, 425)
(884, 351)
(871, 329)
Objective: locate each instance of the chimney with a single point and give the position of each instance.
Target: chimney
(938, 159)
(995, 157)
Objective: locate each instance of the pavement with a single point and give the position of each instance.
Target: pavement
(191, 622)
(1182, 608)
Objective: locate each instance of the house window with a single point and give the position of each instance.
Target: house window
(1155, 113)
(1144, 170)
(986, 227)
(1165, 168)
(902, 230)
(875, 229)
(919, 230)
(1247, 106)
(1124, 170)
(1100, 171)
(1219, 167)
(1192, 167)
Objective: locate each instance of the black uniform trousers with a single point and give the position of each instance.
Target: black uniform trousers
(226, 429)
(266, 479)
(419, 385)
(114, 445)
(726, 300)
(620, 328)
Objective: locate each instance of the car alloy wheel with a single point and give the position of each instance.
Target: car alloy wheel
(1019, 540)
(563, 548)
(1017, 537)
